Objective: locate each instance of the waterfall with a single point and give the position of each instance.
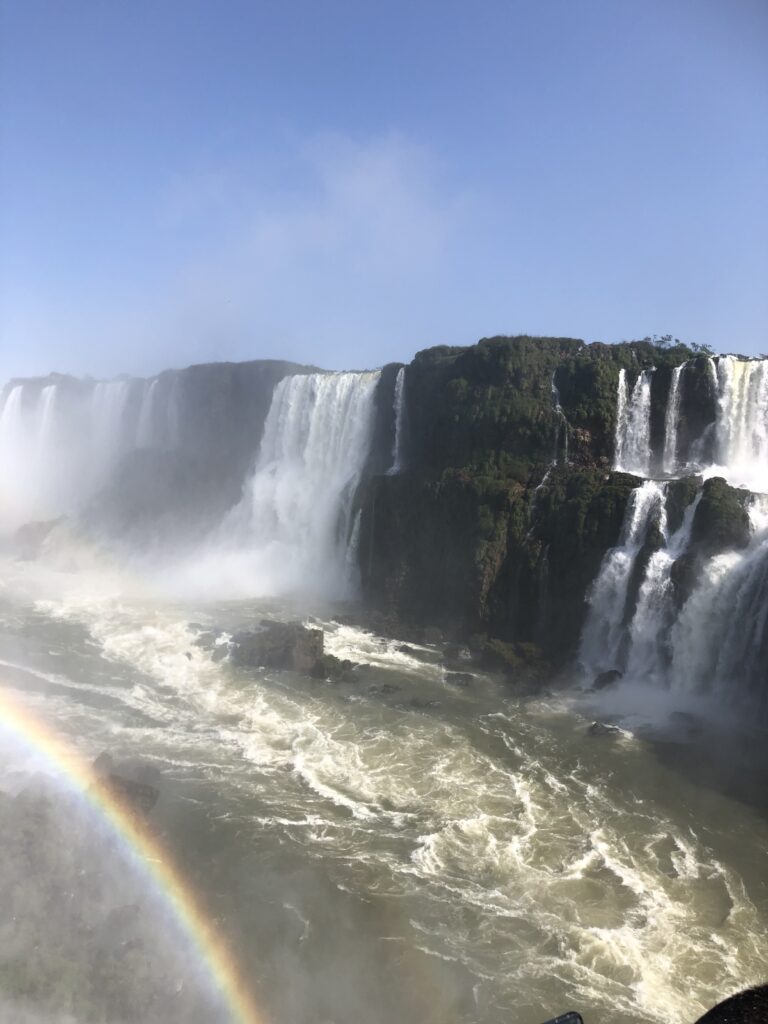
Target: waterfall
(633, 425)
(399, 411)
(648, 654)
(720, 641)
(108, 416)
(12, 457)
(352, 558)
(716, 643)
(158, 423)
(292, 528)
(148, 414)
(604, 631)
(671, 420)
(740, 429)
(563, 423)
(621, 419)
(742, 421)
(37, 478)
(60, 442)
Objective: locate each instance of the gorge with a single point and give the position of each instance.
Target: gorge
(438, 833)
(492, 490)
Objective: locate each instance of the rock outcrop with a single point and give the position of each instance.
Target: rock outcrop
(284, 645)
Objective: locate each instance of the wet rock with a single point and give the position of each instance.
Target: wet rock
(603, 729)
(284, 645)
(137, 794)
(463, 679)
(721, 521)
(385, 690)
(457, 655)
(607, 679)
(405, 649)
(337, 670)
(138, 797)
(215, 641)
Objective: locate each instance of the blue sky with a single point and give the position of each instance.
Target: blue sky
(343, 183)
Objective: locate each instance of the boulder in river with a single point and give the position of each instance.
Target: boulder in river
(603, 729)
(463, 679)
(286, 645)
(607, 679)
(135, 795)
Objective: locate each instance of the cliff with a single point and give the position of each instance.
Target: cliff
(507, 504)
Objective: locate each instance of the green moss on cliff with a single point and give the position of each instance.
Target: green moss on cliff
(490, 408)
(721, 520)
(484, 555)
(487, 408)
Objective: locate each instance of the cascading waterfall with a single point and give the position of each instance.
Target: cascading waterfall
(605, 629)
(294, 523)
(648, 654)
(671, 421)
(399, 411)
(740, 428)
(633, 425)
(716, 643)
(720, 640)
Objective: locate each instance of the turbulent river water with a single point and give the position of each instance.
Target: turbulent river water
(393, 848)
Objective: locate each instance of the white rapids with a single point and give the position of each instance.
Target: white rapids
(500, 844)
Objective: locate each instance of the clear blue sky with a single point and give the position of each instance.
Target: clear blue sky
(346, 182)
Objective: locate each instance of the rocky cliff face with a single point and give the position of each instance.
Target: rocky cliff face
(508, 502)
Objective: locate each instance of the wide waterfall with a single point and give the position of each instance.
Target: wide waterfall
(293, 526)
(130, 453)
(61, 441)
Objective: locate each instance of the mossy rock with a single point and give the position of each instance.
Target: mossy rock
(721, 521)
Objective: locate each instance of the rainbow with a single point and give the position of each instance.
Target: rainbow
(151, 860)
